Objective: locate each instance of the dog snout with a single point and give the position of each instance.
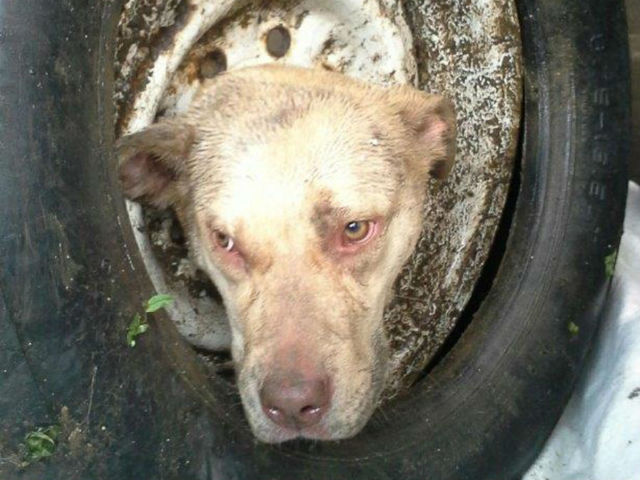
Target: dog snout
(295, 402)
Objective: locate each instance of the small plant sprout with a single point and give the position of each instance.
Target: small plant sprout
(139, 323)
(136, 327)
(610, 263)
(573, 328)
(40, 443)
(157, 302)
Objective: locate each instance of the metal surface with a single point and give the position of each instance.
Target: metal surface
(598, 436)
(468, 51)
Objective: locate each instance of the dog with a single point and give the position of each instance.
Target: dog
(300, 192)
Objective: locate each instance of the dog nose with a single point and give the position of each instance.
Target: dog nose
(295, 404)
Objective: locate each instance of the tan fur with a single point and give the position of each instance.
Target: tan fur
(281, 159)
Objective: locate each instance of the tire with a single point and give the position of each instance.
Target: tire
(71, 278)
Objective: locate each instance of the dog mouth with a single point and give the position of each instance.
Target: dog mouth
(279, 434)
(270, 432)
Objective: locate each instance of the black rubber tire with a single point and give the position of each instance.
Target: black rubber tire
(71, 277)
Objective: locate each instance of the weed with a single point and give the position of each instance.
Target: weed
(139, 323)
(40, 443)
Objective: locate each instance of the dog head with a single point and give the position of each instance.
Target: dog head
(301, 195)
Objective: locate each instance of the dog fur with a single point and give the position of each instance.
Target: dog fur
(265, 172)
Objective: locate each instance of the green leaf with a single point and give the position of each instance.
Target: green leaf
(41, 443)
(573, 328)
(136, 327)
(157, 302)
(610, 263)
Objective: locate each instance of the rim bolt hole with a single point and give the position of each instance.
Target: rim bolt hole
(278, 41)
(213, 64)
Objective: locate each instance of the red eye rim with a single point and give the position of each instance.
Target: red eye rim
(227, 251)
(223, 241)
(222, 248)
(350, 245)
(360, 235)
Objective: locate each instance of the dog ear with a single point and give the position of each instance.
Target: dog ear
(152, 162)
(432, 125)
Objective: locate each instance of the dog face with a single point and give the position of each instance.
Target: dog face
(301, 195)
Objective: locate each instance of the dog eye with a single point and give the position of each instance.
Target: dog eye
(357, 231)
(223, 240)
